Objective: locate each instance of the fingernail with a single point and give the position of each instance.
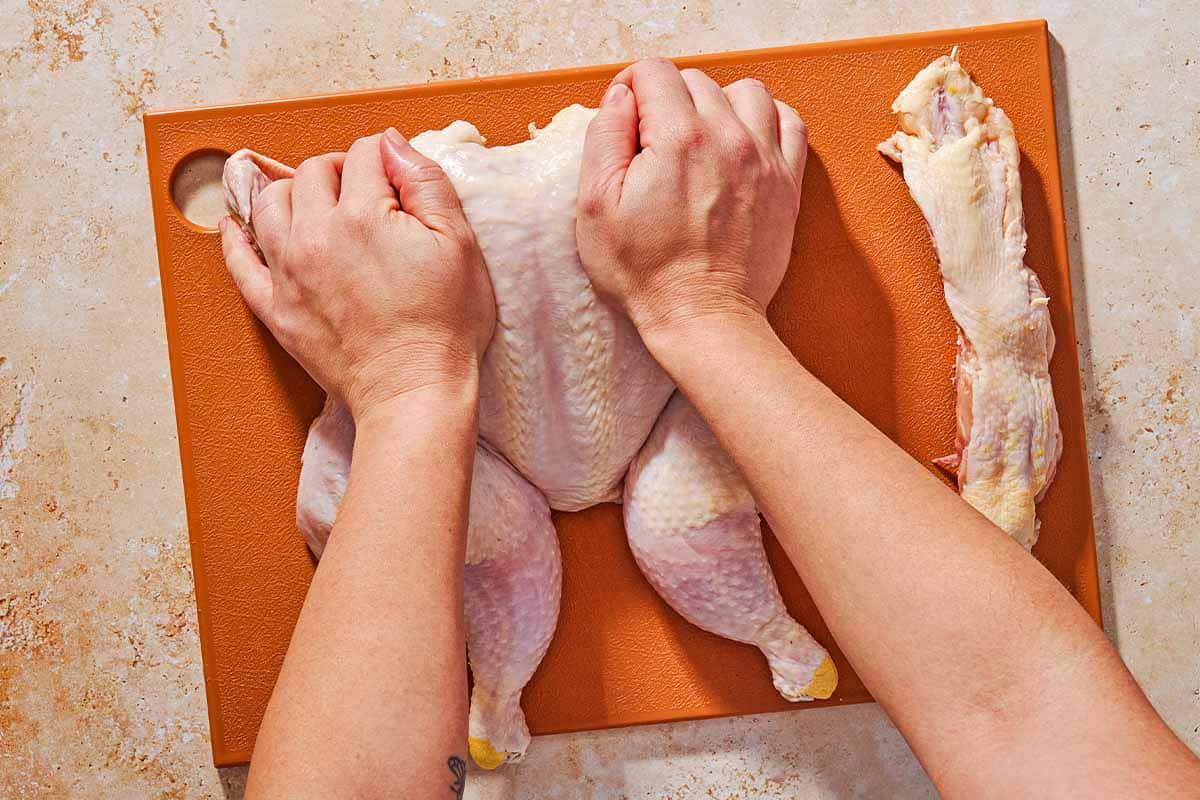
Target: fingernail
(394, 138)
(615, 93)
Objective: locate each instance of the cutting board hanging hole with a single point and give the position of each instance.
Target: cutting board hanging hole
(196, 188)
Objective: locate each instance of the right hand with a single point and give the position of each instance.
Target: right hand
(373, 279)
(688, 195)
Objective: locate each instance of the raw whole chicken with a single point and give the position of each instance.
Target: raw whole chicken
(961, 164)
(573, 412)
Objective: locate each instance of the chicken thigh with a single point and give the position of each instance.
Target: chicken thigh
(568, 396)
(961, 164)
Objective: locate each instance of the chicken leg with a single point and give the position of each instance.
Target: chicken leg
(694, 531)
(513, 583)
(512, 580)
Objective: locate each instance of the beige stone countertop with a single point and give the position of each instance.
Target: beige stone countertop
(100, 681)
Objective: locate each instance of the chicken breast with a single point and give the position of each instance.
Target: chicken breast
(568, 392)
(961, 163)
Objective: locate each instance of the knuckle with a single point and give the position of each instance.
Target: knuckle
(747, 85)
(364, 143)
(690, 135)
(593, 196)
(427, 172)
(258, 212)
(270, 196)
(741, 149)
(265, 217)
(785, 110)
(801, 128)
(313, 164)
(360, 218)
(282, 326)
(790, 118)
(287, 331)
(310, 163)
(590, 203)
(653, 63)
(465, 248)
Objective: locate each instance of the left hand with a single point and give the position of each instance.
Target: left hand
(373, 279)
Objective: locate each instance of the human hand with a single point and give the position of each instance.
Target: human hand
(689, 194)
(373, 279)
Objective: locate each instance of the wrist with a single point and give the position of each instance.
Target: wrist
(412, 370)
(697, 333)
(450, 396)
(681, 307)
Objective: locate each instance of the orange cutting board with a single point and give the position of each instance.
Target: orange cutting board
(861, 307)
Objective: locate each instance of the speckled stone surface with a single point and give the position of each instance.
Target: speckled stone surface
(100, 679)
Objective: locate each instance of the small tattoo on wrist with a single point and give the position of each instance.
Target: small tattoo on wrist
(459, 769)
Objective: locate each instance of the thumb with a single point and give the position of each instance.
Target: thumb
(611, 144)
(250, 274)
(423, 188)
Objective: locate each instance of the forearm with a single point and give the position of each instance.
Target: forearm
(371, 700)
(978, 654)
